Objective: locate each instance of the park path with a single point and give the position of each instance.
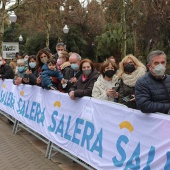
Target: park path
(23, 151)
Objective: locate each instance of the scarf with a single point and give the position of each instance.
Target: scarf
(130, 79)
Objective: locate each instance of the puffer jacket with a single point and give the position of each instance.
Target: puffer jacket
(152, 94)
(99, 89)
(6, 71)
(46, 81)
(84, 88)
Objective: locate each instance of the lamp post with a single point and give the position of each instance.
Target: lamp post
(20, 41)
(65, 30)
(13, 19)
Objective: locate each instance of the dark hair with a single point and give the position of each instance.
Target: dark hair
(88, 61)
(31, 57)
(106, 64)
(47, 49)
(52, 61)
(38, 61)
(18, 54)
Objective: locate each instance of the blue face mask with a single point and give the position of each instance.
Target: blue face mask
(21, 69)
(32, 64)
(75, 67)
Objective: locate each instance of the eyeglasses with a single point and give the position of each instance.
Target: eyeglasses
(60, 49)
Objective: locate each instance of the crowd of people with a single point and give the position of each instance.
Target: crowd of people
(129, 83)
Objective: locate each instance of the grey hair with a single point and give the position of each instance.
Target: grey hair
(78, 56)
(152, 54)
(61, 44)
(20, 61)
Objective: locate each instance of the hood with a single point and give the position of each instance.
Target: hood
(65, 64)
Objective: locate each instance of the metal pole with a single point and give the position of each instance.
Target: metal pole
(65, 41)
(12, 25)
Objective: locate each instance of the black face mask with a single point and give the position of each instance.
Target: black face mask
(110, 73)
(129, 68)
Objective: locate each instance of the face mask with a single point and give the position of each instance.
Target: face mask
(59, 52)
(74, 66)
(1, 62)
(44, 60)
(86, 72)
(129, 68)
(32, 64)
(25, 59)
(159, 70)
(110, 73)
(21, 69)
(59, 61)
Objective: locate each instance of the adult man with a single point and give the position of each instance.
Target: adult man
(74, 72)
(152, 91)
(6, 71)
(60, 47)
(74, 60)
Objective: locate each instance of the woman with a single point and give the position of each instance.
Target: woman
(41, 59)
(31, 73)
(107, 83)
(65, 67)
(84, 85)
(130, 69)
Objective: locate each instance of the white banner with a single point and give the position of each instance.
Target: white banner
(107, 136)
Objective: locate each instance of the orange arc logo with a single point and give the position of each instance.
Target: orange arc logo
(126, 125)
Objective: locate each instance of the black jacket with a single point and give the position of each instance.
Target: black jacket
(6, 72)
(84, 88)
(152, 94)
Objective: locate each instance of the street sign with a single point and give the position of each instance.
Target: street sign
(9, 49)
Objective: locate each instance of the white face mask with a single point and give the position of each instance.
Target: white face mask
(159, 70)
(1, 62)
(59, 52)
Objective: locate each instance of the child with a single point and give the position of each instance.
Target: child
(20, 73)
(49, 70)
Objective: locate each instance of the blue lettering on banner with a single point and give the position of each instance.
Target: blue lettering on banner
(167, 165)
(7, 99)
(121, 151)
(77, 130)
(52, 128)
(135, 156)
(60, 127)
(35, 114)
(81, 127)
(66, 135)
(151, 156)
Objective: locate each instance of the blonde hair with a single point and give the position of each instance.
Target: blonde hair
(136, 62)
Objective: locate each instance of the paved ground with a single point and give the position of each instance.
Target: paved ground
(25, 152)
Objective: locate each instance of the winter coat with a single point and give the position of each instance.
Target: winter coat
(6, 71)
(127, 87)
(84, 88)
(32, 77)
(70, 74)
(99, 88)
(65, 70)
(152, 94)
(13, 65)
(46, 74)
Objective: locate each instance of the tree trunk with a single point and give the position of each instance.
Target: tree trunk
(2, 18)
(123, 18)
(47, 25)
